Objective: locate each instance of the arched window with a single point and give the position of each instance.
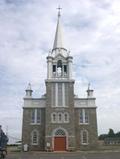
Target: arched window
(54, 117)
(66, 117)
(84, 137)
(59, 132)
(34, 137)
(59, 63)
(59, 117)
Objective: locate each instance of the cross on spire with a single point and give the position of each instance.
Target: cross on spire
(59, 8)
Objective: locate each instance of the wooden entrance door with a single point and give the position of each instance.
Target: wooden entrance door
(60, 143)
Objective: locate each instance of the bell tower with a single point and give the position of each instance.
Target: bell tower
(59, 91)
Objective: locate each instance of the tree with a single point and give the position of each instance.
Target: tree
(117, 134)
(102, 136)
(111, 133)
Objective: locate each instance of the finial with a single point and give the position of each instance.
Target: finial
(49, 52)
(89, 86)
(59, 8)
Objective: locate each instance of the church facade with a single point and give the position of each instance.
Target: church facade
(59, 120)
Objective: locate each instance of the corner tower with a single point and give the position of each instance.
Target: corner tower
(59, 95)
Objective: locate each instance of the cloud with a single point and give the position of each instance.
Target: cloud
(92, 33)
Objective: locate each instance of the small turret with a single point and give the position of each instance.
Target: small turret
(29, 91)
(89, 92)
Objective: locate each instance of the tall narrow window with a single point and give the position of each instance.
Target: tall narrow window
(65, 68)
(59, 117)
(54, 117)
(35, 116)
(35, 137)
(84, 116)
(60, 93)
(38, 116)
(84, 137)
(53, 93)
(66, 117)
(81, 116)
(66, 94)
(54, 68)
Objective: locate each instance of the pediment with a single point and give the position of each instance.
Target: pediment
(60, 57)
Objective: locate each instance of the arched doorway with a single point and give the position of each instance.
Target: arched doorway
(60, 140)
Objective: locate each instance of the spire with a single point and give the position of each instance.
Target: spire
(58, 42)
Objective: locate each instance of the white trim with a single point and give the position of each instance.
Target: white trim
(55, 117)
(59, 106)
(56, 94)
(63, 94)
(58, 120)
(62, 117)
(66, 113)
(35, 123)
(83, 112)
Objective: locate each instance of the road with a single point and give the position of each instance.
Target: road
(38, 155)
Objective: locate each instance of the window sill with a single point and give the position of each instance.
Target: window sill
(60, 122)
(85, 144)
(35, 123)
(59, 106)
(34, 144)
(83, 123)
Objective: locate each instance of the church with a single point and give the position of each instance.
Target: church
(59, 120)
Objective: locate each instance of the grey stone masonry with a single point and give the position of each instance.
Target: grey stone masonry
(59, 120)
(69, 127)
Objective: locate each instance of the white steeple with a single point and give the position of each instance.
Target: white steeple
(59, 61)
(58, 41)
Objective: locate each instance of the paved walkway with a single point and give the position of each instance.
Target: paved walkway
(77, 155)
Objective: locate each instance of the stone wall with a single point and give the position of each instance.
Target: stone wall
(27, 129)
(69, 127)
(91, 127)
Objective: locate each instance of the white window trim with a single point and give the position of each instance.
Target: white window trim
(32, 137)
(56, 96)
(60, 121)
(63, 95)
(62, 117)
(83, 114)
(52, 117)
(67, 117)
(35, 119)
(82, 137)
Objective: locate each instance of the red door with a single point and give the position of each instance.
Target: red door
(59, 143)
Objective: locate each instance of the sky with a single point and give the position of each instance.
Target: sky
(91, 31)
